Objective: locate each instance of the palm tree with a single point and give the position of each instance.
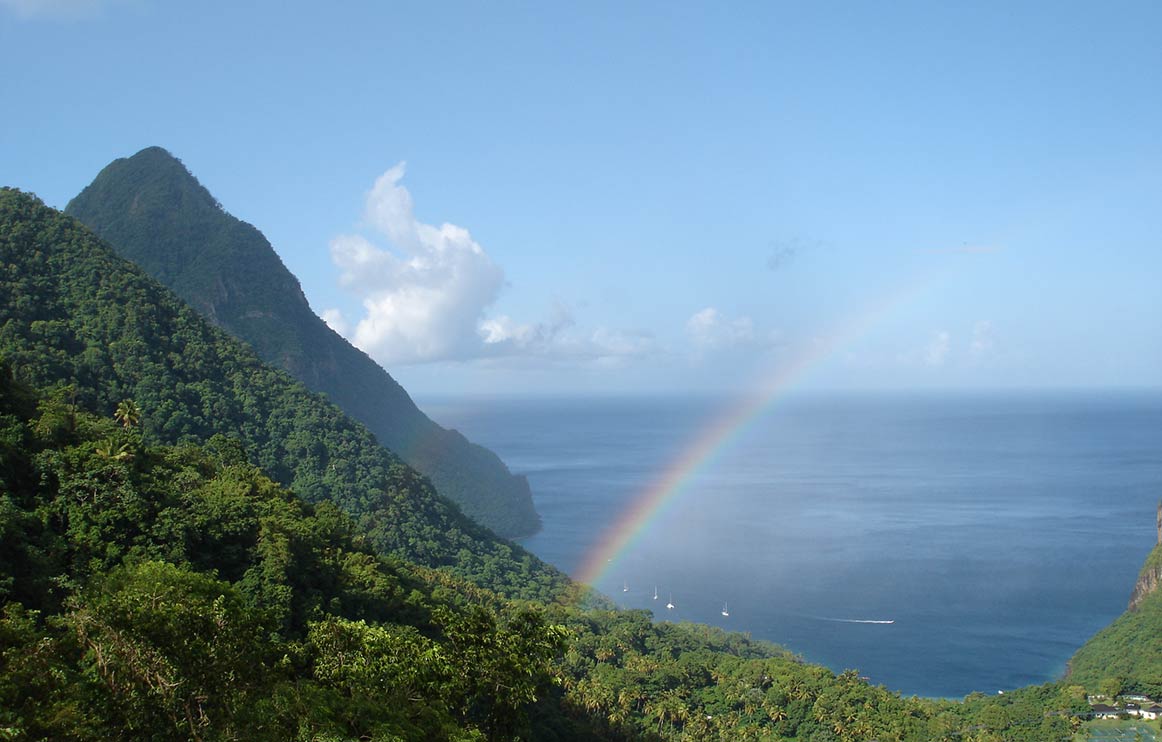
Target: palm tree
(111, 449)
(127, 413)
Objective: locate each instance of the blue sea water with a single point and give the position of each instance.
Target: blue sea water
(997, 531)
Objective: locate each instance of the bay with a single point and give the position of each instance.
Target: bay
(995, 531)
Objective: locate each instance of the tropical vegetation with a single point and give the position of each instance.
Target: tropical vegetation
(194, 546)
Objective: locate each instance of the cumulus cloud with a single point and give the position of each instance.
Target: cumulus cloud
(936, 354)
(427, 292)
(424, 300)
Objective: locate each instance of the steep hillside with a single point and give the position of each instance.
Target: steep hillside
(1128, 652)
(156, 214)
(72, 311)
(190, 597)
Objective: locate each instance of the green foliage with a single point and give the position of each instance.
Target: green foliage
(181, 590)
(76, 317)
(151, 210)
(170, 649)
(1126, 656)
(181, 594)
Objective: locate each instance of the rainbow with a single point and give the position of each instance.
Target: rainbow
(636, 519)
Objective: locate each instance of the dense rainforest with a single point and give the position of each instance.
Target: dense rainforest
(177, 592)
(74, 312)
(151, 210)
(194, 546)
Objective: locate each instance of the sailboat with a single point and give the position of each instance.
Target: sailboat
(670, 605)
(655, 592)
(725, 610)
(625, 586)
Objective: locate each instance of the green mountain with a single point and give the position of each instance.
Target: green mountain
(1126, 656)
(156, 214)
(74, 312)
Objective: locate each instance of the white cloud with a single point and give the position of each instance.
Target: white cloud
(335, 320)
(708, 330)
(504, 333)
(425, 300)
(936, 354)
(983, 342)
(560, 338)
(426, 296)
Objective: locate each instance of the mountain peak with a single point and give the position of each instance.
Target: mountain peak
(146, 180)
(154, 212)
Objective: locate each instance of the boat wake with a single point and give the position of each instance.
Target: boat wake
(857, 620)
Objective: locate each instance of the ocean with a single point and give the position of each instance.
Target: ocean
(996, 532)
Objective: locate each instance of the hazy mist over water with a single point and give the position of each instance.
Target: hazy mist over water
(997, 531)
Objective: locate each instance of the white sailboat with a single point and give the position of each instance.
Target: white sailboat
(625, 586)
(670, 605)
(655, 592)
(725, 610)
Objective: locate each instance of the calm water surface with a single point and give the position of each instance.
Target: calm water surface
(998, 532)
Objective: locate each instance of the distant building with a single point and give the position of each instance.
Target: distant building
(1103, 711)
(1151, 712)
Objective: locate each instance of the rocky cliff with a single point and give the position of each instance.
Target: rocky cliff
(1151, 573)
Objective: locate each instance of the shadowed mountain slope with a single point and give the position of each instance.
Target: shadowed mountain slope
(74, 312)
(152, 211)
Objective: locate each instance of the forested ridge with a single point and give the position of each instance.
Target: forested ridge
(151, 210)
(168, 592)
(194, 546)
(74, 312)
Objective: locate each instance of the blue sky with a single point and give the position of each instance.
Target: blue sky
(650, 196)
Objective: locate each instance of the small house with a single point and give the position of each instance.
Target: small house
(1104, 711)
